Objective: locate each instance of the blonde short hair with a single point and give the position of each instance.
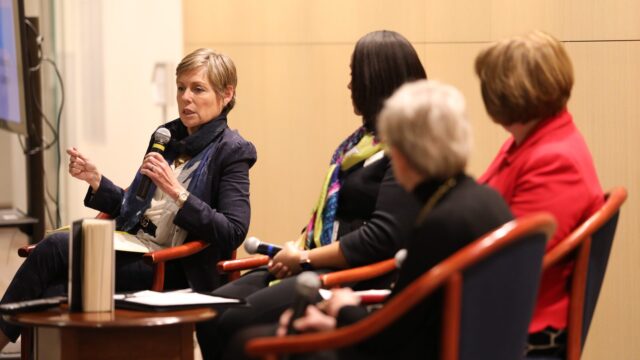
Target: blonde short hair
(221, 71)
(525, 78)
(426, 121)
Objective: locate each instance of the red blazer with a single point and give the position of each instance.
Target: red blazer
(552, 170)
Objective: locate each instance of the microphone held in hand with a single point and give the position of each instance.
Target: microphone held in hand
(160, 138)
(307, 286)
(400, 256)
(253, 245)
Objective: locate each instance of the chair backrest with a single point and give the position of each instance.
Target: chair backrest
(589, 246)
(501, 271)
(494, 298)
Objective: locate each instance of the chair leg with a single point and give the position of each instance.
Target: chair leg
(26, 343)
(158, 277)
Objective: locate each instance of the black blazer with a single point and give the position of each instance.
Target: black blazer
(465, 213)
(221, 217)
(375, 217)
(375, 214)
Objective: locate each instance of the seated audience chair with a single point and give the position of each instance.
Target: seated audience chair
(588, 246)
(490, 289)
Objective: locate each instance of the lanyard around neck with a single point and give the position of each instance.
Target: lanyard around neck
(434, 198)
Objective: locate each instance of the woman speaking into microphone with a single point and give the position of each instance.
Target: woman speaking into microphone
(198, 188)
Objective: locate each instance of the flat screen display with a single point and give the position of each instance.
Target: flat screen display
(13, 115)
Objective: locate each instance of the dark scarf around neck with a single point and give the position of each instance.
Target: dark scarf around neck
(199, 146)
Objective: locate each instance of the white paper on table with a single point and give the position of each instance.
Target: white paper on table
(326, 294)
(173, 298)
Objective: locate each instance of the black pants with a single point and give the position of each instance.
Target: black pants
(235, 349)
(44, 273)
(266, 303)
(550, 342)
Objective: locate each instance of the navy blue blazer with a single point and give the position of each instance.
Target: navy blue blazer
(220, 217)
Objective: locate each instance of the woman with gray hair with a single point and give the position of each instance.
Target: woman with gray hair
(199, 190)
(425, 128)
(426, 125)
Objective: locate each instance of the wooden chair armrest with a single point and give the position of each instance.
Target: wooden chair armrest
(343, 336)
(615, 198)
(358, 274)
(24, 251)
(103, 216)
(226, 266)
(175, 252)
(445, 275)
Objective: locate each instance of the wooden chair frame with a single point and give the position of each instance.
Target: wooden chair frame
(328, 280)
(158, 258)
(576, 247)
(447, 274)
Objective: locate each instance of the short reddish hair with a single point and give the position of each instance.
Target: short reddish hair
(525, 78)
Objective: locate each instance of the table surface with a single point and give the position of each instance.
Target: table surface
(14, 217)
(61, 317)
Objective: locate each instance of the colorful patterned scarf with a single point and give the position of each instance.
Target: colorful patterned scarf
(358, 147)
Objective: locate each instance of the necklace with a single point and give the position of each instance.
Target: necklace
(180, 160)
(433, 199)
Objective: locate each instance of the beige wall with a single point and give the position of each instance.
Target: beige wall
(107, 50)
(293, 63)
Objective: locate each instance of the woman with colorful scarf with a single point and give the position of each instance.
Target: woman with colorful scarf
(199, 190)
(362, 214)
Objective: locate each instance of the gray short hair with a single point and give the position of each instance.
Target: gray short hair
(426, 121)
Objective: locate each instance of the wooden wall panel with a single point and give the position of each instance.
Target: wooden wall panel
(293, 59)
(458, 21)
(293, 21)
(606, 108)
(453, 64)
(568, 20)
(257, 21)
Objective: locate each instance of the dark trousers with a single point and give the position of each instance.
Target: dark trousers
(265, 304)
(44, 273)
(236, 347)
(548, 343)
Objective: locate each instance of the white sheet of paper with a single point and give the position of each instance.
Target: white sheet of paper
(326, 294)
(126, 242)
(181, 297)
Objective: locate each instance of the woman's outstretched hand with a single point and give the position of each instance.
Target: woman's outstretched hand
(322, 316)
(286, 262)
(158, 170)
(80, 167)
(313, 320)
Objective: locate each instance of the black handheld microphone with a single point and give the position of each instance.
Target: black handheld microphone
(254, 246)
(307, 286)
(160, 138)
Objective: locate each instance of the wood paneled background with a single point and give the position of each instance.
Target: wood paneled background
(293, 102)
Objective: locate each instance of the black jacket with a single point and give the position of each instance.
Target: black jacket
(465, 213)
(221, 217)
(375, 216)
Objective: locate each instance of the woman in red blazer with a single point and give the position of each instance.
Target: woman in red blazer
(545, 165)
